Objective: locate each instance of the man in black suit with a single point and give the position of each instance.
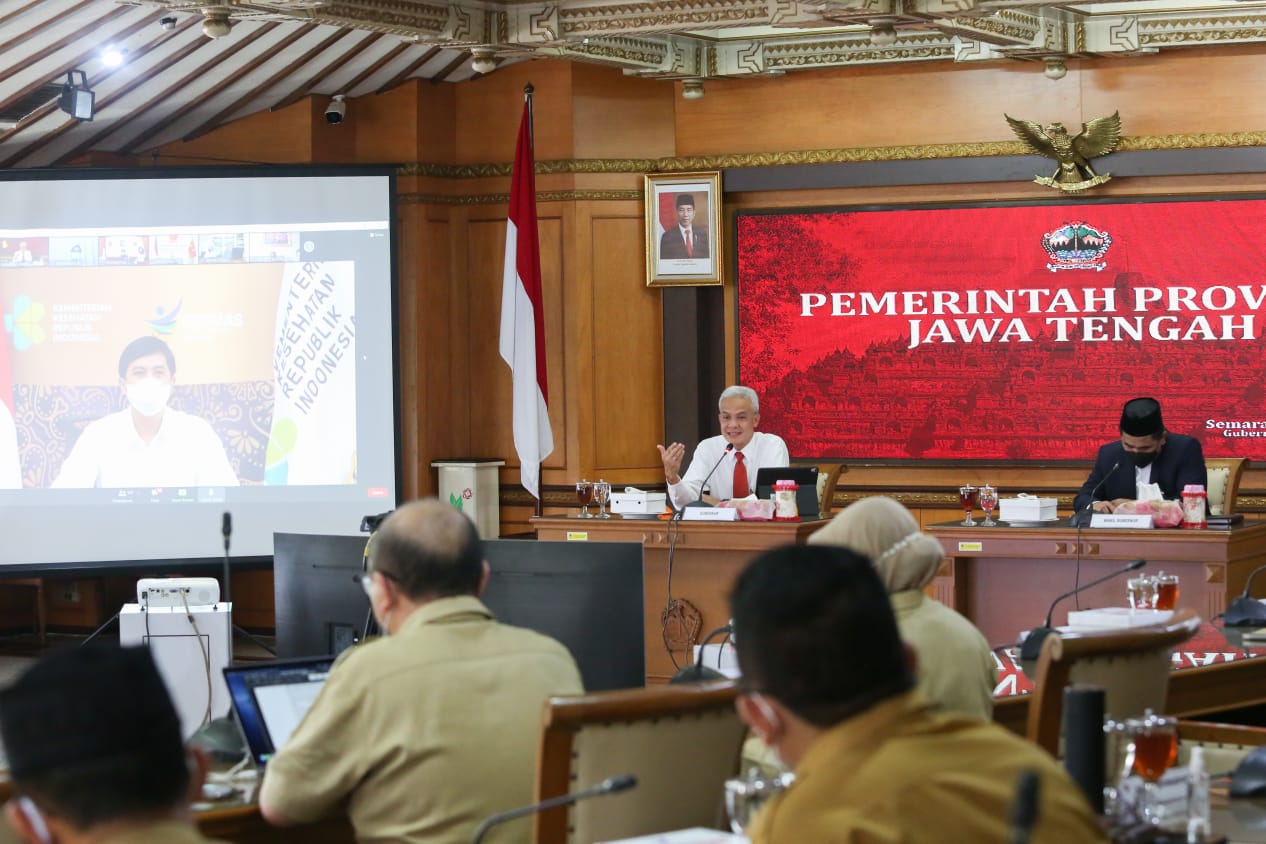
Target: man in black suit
(1146, 453)
(684, 240)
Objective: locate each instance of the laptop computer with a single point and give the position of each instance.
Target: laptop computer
(270, 698)
(806, 494)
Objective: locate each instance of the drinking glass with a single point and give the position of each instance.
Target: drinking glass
(1142, 592)
(988, 501)
(1154, 750)
(602, 494)
(745, 795)
(584, 494)
(968, 496)
(1166, 591)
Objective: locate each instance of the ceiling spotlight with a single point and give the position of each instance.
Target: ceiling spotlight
(77, 100)
(692, 89)
(1055, 69)
(216, 23)
(112, 56)
(883, 35)
(484, 60)
(167, 23)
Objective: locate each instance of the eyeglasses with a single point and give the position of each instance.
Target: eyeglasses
(366, 580)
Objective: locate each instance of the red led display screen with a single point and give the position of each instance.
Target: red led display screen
(1004, 332)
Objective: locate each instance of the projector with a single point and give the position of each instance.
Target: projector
(158, 592)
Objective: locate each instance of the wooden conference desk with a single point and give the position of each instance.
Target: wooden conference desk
(1004, 578)
(707, 557)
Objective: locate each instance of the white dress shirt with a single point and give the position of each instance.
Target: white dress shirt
(763, 451)
(109, 453)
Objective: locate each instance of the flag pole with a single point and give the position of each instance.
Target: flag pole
(528, 91)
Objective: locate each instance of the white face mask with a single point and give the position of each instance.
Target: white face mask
(775, 724)
(148, 396)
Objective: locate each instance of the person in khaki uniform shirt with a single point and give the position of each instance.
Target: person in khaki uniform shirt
(95, 754)
(828, 684)
(956, 667)
(422, 734)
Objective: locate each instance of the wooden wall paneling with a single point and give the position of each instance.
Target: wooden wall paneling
(409, 366)
(627, 387)
(618, 116)
(889, 105)
(488, 110)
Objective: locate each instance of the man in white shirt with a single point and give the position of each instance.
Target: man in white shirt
(737, 454)
(147, 444)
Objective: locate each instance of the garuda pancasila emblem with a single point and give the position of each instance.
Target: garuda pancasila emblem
(1098, 137)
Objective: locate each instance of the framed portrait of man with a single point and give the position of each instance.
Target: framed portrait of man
(683, 229)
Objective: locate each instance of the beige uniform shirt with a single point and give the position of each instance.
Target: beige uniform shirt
(900, 772)
(956, 669)
(423, 734)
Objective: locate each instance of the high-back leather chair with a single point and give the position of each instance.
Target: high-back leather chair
(1132, 666)
(681, 742)
(1223, 484)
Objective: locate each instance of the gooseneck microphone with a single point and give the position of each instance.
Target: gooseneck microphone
(1028, 789)
(1246, 611)
(611, 785)
(226, 528)
(698, 502)
(697, 672)
(1032, 646)
(1082, 517)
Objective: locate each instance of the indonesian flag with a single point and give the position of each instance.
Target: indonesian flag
(523, 320)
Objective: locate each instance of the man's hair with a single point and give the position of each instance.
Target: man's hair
(737, 392)
(143, 347)
(686, 199)
(430, 549)
(814, 628)
(92, 736)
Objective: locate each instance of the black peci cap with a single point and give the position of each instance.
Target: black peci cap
(1142, 418)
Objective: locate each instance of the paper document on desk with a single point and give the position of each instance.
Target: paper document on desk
(1116, 618)
(697, 835)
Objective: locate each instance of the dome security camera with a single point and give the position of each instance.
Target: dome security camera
(336, 110)
(168, 24)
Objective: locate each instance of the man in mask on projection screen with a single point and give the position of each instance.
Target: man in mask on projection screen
(147, 444)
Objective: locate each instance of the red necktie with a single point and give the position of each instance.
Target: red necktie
(740, 476)
(690, 249)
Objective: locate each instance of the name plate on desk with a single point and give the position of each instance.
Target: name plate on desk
(709, 514)
(1122, 520)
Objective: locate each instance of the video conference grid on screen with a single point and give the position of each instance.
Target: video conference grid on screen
(178, 347)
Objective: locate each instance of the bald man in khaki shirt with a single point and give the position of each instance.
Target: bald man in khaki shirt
(422, 734)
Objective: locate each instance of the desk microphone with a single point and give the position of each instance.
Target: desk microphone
(1032, 646)
(698, 502)
(611, 785)
(1024, 807)
(1082, 517)
(698, 673)
(1245, 611)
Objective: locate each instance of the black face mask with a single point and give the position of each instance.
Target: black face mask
(1143, 458)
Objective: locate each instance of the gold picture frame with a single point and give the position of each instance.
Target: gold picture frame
(674, 204)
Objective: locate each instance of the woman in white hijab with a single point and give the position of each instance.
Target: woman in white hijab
(955, 666)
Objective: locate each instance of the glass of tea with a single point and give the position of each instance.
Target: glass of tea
(968, 496)
(584, 494)
(1154, 750)
(988, 501)
(1166, 591)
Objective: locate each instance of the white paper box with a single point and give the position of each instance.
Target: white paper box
(638, 502)
(1116, 618)
(1028, 509)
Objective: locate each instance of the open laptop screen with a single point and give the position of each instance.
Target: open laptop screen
(270, 698)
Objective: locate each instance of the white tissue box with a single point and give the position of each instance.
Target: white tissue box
(638, 503)
(1028, 509)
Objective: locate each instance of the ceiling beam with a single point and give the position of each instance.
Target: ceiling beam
(305, 88)
(408, 71)
(442, 76)
(30, 34)
(375, 67)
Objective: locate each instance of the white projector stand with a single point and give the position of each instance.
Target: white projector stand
(178, 651)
